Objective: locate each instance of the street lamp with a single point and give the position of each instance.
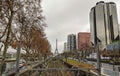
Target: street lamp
(97, 47)
(113, 57)
(98, 58)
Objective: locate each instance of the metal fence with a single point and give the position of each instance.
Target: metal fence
(110, 73)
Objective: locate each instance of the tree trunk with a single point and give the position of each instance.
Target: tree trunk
(6, 43)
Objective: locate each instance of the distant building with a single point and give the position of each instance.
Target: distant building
(119, 31)
(83, 40)
(71, 42)
(104, 23)
(65, 47)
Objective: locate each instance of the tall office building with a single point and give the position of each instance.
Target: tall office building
(83, 40)
(71, 42)
(65, 47)
(119, 31)
(104, 23)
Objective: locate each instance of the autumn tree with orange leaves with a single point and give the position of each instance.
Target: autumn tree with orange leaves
(36, 45)
(22, 21)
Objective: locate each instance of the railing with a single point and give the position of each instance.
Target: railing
(110, 72)
(58, 69)
(28, 73)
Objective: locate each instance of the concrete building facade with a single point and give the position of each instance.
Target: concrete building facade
(83, 40)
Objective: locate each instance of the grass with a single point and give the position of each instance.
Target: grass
(84, 66)
(81, 65)
(78, 64)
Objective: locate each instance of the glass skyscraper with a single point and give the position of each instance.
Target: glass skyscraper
(104, 23)
(71, 42)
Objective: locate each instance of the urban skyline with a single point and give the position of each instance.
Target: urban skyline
(79, 40)
(88, 48)
(68, 18)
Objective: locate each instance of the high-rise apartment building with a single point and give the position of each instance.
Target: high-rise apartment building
(104, 23)
(83, 40)
(71, 42)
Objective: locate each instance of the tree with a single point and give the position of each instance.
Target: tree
(19, 19)
(8, 9)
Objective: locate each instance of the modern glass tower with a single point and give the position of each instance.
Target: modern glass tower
(104, 23)
(71, 42)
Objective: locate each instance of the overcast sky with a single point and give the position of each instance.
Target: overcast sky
(65, 17)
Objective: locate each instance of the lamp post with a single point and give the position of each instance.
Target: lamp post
(113, 58)
(98, 59)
